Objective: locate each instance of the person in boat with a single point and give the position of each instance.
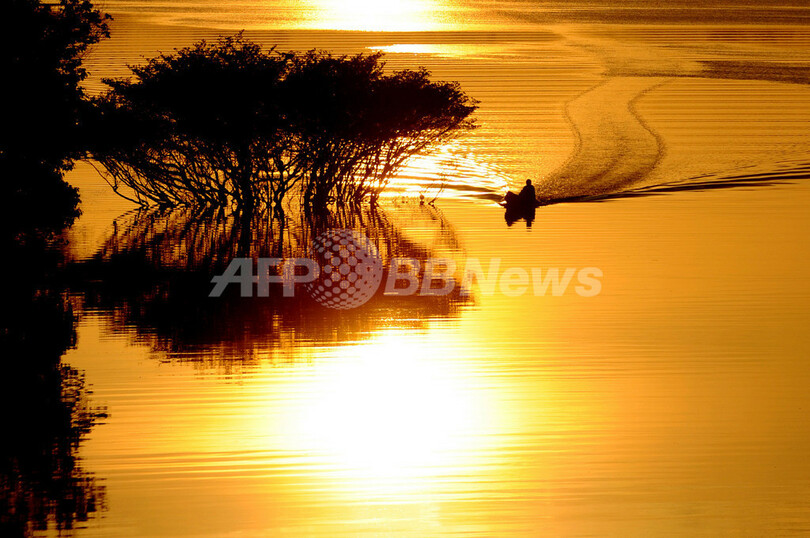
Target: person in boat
(526, 199)
(521, 206)
(527, 194)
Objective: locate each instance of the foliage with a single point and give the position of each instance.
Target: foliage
(229, 124)
(41, 50)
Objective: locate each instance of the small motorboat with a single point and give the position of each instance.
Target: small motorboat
(519, 207)
(515, 201)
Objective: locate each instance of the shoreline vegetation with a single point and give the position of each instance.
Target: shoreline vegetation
(222, 124)
(229, 125)
(44, 111)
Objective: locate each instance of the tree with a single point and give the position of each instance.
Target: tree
(198, 126)
(227, 124)
(41, 50)
(357, 126)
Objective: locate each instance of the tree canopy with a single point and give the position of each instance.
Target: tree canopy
(41, 50)
(229, 124)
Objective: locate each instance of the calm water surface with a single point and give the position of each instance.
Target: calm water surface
(672, 403)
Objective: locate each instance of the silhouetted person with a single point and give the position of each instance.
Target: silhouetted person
(527, 194)
(521, 206)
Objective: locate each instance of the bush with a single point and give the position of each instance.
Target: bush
(41, 50)
(227, 124)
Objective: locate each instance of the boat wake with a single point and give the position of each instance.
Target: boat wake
(615, 147)
(787, 173)
(616, 151)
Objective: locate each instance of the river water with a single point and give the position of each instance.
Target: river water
(673, 147)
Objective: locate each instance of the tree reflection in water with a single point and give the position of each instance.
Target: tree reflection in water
(45, 406)
(153, 276)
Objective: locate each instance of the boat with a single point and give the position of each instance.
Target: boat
(516, 202)
(518, 207)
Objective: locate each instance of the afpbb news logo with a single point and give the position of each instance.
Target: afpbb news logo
(344, 270)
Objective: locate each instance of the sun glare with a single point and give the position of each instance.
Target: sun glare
(388, 417)
(376, 16)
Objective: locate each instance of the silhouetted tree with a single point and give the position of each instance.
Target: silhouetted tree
(229, 124)
(358, 126)
(41, 49)
(200, 125)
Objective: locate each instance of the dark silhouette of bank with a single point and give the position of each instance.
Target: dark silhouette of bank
(43, 106)
(46, 412)
(229, 125)
(45, 409)
(521, 206)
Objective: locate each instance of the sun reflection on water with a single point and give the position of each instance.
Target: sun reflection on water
(375, 16)
(391, 417)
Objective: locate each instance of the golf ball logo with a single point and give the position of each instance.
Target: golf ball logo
(350, 269)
